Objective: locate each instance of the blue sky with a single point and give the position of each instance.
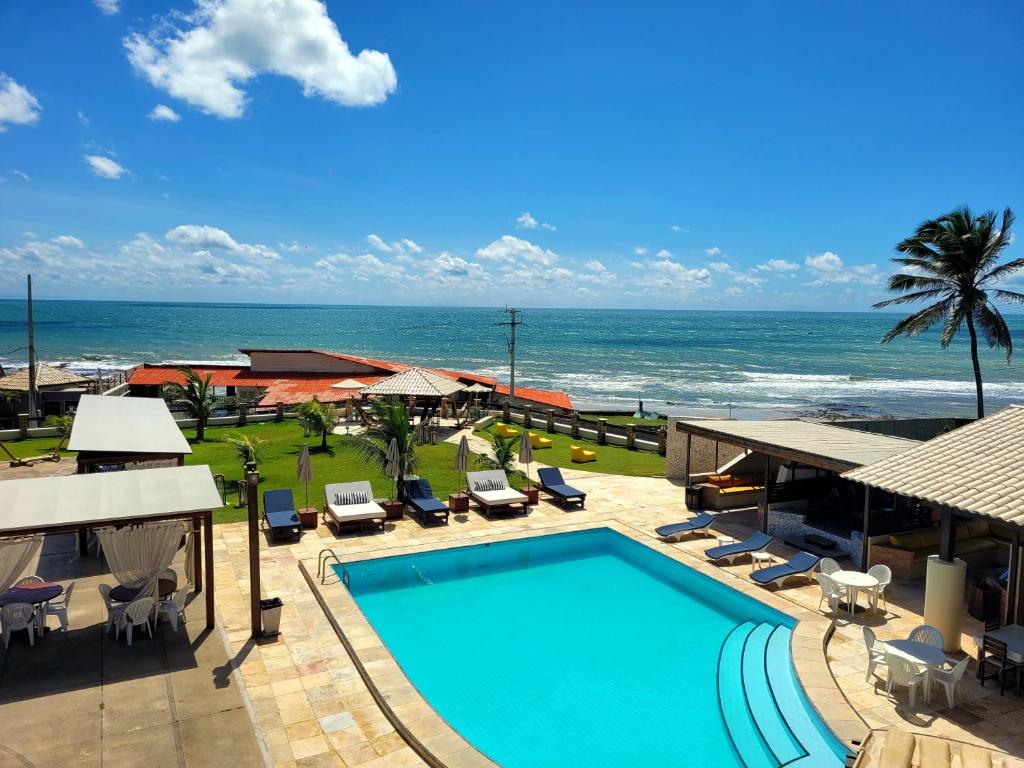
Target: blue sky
(677, 155)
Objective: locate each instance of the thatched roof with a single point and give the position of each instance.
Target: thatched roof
(415, 382)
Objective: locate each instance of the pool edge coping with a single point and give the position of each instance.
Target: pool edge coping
(441, 746)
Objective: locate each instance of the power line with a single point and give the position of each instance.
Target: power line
(512, 323)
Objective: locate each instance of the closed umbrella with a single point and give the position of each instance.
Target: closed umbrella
(526, 453)
(304, 470)
(391, 468)
(462, 458)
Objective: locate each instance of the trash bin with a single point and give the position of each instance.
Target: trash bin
(693, 497)
(271, 611)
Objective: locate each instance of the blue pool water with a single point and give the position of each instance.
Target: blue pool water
(590, 649)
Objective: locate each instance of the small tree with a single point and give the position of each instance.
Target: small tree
(197, 395)
(504, 449)
(249, 449)
(318, 418)
(391, 422)
(60, 424)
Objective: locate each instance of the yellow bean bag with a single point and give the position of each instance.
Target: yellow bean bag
(537, 441)
(580, 456)
(504, 430)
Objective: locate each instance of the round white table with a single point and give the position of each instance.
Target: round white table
(854, 581)
(725, 540)
(760, 559)
(917, 653)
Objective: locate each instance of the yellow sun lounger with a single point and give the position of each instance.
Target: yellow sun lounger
(504, 430)
(536, 441)
(580, 456)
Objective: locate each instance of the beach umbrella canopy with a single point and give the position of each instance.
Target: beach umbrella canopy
(391, 468)
(462, 456)
(304, 470)
(348, 384)
(525, 449)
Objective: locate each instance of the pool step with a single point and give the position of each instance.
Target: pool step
(769, 721)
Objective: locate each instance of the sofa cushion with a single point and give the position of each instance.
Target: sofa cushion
(968, 546)
(740, 489)
(911, 540)
(978, 528)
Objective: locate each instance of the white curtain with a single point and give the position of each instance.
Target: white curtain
(190, 555)
(15, 556)
(138, 554)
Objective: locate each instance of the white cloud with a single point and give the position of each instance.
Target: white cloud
(21, 174)
(108, 7)
(640, 250)
(104, 167)
(223, 44)
(511, 249)
(364, 268)
(203, 236)
(161, 112)
(745, 278)
(664, 253)
(449, 270)
(68, 240)
(720, 266)
(28, 233)
(525, 220)
(403, 246)
(83, 118)
(713, 250)
(778, 265)
(677, 228)
(828, 269)
(17, 105)
(671, 275)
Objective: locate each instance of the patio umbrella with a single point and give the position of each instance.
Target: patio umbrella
(526, 453)
(304, 470)
(391, 468)
(462, 458)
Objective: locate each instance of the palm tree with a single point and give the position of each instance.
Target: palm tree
(250, 450)
(391, 422)
(60, 424)
(505, 450)
(318, 418)
(197, 396)
(953, 260)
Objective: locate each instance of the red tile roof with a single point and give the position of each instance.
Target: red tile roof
(540, 396)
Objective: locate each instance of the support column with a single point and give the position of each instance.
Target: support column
(279, 415)
(527, 417)
(686, 470)
(1013, 585)
(208, 539)
(23, 425)
(662, 441)
(575, 429)
(947, 539)
(767, 470)
(865, 558)
(506, 412)
(197, 553)
(252, 479)
(602, 431)
(550, 425)
(243, 412)
(631, 437)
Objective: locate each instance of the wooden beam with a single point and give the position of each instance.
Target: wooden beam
(947, 537)
(208, 540)
(1013, 584)
(687, 476)
(197, 553)
(865, 558)
(252, 479)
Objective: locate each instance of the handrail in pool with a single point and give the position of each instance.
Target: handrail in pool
(321, 566)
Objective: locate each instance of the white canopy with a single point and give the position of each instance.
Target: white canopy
(112, 498)
(126, 425)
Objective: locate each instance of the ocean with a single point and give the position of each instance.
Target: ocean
(680, 362)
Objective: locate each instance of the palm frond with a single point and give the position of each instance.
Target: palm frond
(1009, 296)
(919, 322)
(993, 328)
(1002, 271)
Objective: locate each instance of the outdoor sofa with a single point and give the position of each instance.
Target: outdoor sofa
(551, 483)
(426, 507)
(729, 491)
(978, 543)
(492, 493)
(279, 514)
(352, 504)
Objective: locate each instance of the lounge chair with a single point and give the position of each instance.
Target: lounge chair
(352, 503)
(551, 483)
(730, 552)
(425, 506)
(536, 441)
(504, 430)
(491, 491)
(579, 455)
(696, 524)
(801, 565)
(279, 513)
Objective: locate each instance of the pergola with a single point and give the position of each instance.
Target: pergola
(124, 431)
(74, 503)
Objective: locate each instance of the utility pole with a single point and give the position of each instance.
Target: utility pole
(33, 395)
(511, 324)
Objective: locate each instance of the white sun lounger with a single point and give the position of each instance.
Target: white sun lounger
(344, 505)
(492, 493)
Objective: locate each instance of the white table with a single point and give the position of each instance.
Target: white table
(725, 540)
(760, 559)
(923, 655)
(854, 581)
(1013, 636)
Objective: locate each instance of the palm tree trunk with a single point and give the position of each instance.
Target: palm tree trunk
(977, 366)
(200, 429)
(323, 440)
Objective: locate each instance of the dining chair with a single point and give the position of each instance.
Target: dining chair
(876, 652)
(902, 672)
(138, 613)
(831, 592)
(884, 576)
(59, 607)
(828, 566)
(948, 678)
(927, 634)
(25, 581)
(172, 608)
(993, 655)
(17, 616)
(114, 608)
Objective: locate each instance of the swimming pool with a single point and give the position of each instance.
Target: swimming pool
(591, 649)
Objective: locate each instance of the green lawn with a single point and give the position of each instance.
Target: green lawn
(611, 459)
(37, 446)
(623, 420)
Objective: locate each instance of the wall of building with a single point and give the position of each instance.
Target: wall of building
(702, 453)
(308, 362)
(912, 429)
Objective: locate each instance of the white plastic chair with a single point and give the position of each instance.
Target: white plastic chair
(948, 678)
(59, 608)
(173, 608)
(29, 580)
(884, 575)
(114, 608)
(138, 613)
(902, 672)
(876, 652)
(828, 566)
(18, 616)
(831, 592)
(927, 634)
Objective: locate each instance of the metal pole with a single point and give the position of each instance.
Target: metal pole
(689, 437)
(947, 537)
(33, 394)
(208, 554)
(252, 479)
(511, 339)
(1013, 584)
(864, 554)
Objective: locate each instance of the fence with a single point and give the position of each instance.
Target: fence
(634, 437)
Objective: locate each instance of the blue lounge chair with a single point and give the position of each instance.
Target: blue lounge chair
(801, 565)
(425, 506)
(551, 483)
(696, 524)
(730, 552)
(279, 513)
